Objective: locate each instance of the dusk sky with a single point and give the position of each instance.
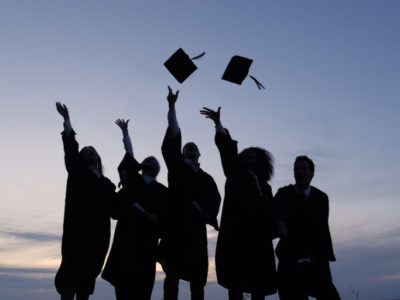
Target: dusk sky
(332, 75)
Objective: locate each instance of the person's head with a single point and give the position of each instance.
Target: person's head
(190, 151)
(91, 158)
(259, 161)
(150, 166)
(303, 171)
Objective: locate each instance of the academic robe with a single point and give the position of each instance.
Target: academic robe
(306, 220)
(244, 254)
(86, 228)
(185, 244)
(132, 260)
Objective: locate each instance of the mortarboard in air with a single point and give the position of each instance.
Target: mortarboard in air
(238, 69)
(180, 65)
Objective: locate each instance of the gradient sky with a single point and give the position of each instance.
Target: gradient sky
(332, 76)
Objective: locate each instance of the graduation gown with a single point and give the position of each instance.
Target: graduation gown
(86, 228)
(244, 254)
(185, 244)
(133, 255)
(306, 220)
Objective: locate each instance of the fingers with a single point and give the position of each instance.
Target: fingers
(62, 110)
(171, 93)
(119, 122)
(122, 123)
(207, 111)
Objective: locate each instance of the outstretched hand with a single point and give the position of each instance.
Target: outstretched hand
(212, 114)
(172, 97)
(123, 125)
(62, 110)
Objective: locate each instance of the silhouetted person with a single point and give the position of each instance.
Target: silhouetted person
(305, 247)
(244, 256)
(195, 202)
(131, 265)
(86, 229)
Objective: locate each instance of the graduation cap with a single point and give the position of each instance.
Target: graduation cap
(180, 65)
(238, 69)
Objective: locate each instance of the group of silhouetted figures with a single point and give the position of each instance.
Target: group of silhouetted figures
(168, 225)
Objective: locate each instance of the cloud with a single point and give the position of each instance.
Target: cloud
(29, 273)
(36, 236)
(21, 249)
(395, 277)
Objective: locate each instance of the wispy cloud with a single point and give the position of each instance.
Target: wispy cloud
(390, 277)
(36, 236)
(22, 249)
(31, 273)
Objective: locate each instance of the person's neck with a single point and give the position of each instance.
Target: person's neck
(193, 162)
(148, 178)
(94, 169)
(302, 188)
(148, 175)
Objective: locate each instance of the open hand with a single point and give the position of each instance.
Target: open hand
(172, 97)
(212, 114)
(123, 125)
(62, 110)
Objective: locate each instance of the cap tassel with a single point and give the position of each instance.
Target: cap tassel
(259, 85)
(198, 56)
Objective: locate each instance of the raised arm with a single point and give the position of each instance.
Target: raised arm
(71, 147)
(63, 111)
(226, 146)
(172, 121)
(172, 143)
(121, 123)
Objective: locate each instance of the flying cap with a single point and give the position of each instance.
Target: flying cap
(180, 65)
(238, 69)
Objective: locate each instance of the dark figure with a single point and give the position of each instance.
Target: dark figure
(195, 203)
(305, 247)
(131, 265)
(86, 229)
(244, 258)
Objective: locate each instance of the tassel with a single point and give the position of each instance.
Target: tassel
(198, 56)
(259, 85)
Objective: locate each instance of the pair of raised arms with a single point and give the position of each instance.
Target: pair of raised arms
(171, 98)
(63, 111)
(207, 112)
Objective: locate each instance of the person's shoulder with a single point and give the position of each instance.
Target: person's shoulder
(204, 173)
(286, 189)
(318, 193)
(285, 192)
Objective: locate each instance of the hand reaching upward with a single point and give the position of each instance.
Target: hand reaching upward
(62, 110)
(212, 114)
(172, 97)
(123, 125)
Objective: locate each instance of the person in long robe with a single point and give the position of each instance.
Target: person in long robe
(245, 261)
(305, 248)
(195, 203)
(86, 227)
(140, 211)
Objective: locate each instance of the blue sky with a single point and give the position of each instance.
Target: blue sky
(332, 76)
